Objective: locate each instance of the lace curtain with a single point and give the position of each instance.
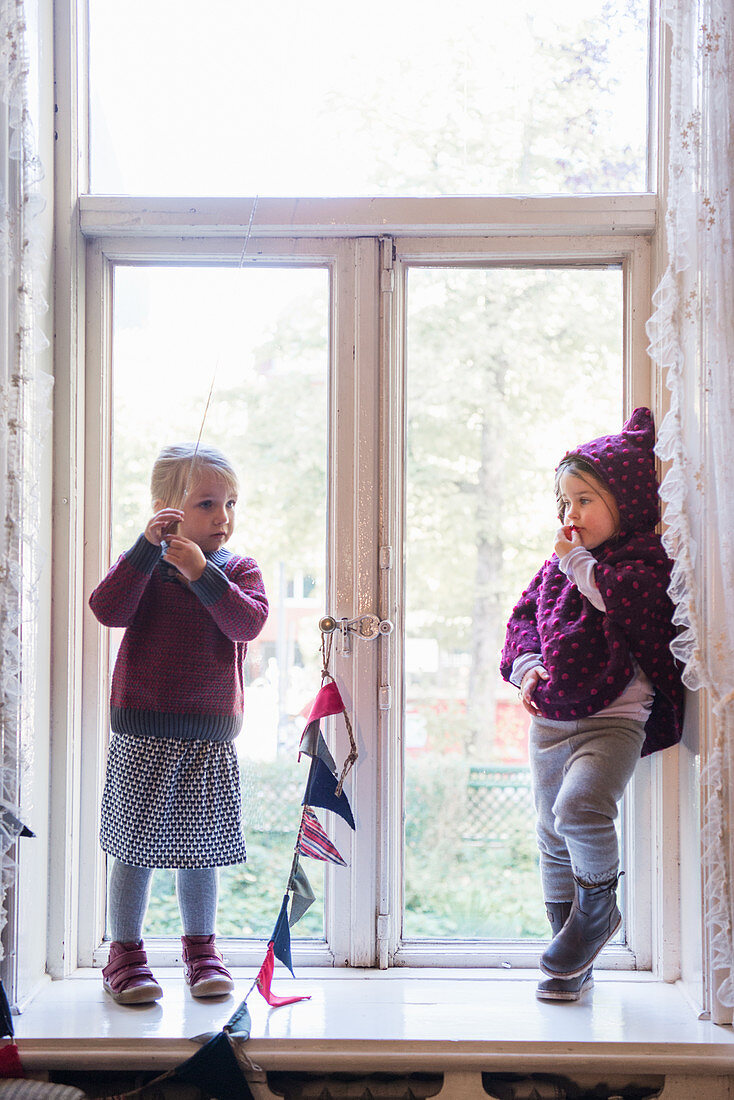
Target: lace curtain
(692, 335)
(24, 422)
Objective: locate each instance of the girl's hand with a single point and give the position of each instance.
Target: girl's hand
(161, 523)
(186, 556)
(529, 683)
(567, 539)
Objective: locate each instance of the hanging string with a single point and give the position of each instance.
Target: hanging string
(249, 231)
(190, 476)
(240, 265)
(351, 758)
(326, 644)
(325, 647)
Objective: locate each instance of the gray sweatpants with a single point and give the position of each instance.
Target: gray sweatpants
(580, 770)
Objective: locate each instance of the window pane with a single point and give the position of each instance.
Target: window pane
(400, 98)
(265, 333)
(507, 369)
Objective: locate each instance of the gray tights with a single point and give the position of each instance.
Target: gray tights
(129, 891)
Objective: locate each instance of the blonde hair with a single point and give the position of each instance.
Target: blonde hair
(177, 468)
(580, 467)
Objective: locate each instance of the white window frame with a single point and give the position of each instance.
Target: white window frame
(632, 254)
(542, 223)
(362, 920)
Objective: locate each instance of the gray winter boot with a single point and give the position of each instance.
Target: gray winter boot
(593, 920)
(562, 989)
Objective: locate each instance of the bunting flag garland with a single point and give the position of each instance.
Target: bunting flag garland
(323, 789)
(314, 842)
(303, 896)
(220, 1067)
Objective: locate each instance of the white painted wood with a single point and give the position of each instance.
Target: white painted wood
(636, 889)
(96, 639)
(353, 588)
(391, 1021)
(390, 793)
(637, 296)
(691, 863)
(111, 215)
(505, 955)
(70, 175)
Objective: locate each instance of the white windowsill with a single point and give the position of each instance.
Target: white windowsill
(397, 1021)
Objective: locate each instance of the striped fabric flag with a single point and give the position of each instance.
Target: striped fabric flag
(314, 842)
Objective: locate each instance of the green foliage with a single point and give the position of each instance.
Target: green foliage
(458, 887)
(455, 887)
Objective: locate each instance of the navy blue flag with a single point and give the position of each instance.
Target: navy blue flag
(215, 1069)
(281, 937)
(321, 791)
(13, 825)
(6, 1018)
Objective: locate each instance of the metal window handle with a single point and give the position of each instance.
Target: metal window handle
(368, 627)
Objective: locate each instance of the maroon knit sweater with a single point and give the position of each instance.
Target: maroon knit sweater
(588, 652)
(179, 670)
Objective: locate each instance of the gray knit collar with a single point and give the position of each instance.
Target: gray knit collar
(219, 557)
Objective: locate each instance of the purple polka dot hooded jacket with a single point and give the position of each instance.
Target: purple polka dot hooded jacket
(587, 652)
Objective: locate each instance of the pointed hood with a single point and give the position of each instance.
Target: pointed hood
(625, 462)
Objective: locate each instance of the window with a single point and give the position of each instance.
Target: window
(473, 100)
(358, 344)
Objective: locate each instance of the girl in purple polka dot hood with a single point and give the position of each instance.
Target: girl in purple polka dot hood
(588, 644)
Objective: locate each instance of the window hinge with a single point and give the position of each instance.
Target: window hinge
(383, 939)
(386, 557)
(384, 697)
(387, 258)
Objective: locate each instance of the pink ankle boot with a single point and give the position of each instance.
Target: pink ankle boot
(206, 974)
(127, 976)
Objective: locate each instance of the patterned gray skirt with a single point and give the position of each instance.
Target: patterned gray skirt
(172, 803)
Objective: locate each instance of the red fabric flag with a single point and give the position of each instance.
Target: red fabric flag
(10, 1065)
(265, 977)
(328, 701)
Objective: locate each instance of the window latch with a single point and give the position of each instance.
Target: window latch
(368, 627)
